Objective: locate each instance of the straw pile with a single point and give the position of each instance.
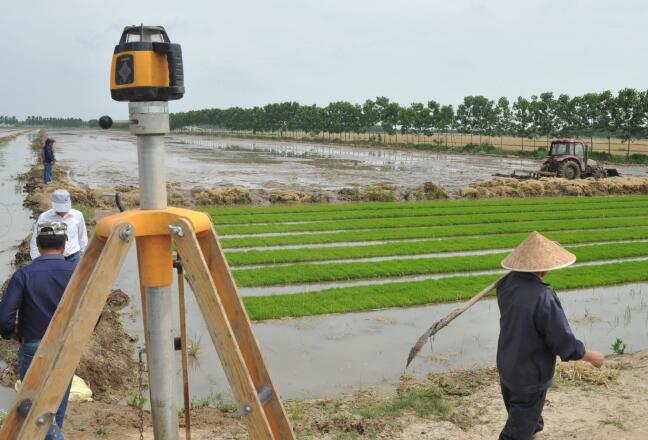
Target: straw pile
(296, 197)
(507, 187)
(583, 373)
(376, 193)
(227, 195)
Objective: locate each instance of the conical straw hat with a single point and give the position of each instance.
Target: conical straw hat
(538, 254)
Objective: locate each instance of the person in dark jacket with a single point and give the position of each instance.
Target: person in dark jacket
(48, 160)
(533, 332)
(31, 298)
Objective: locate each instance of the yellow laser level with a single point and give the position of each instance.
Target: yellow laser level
(146, 66)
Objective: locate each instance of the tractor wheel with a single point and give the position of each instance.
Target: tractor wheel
(599, 173)
(569, 170)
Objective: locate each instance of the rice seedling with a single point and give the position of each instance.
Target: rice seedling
(194, 347)
(413, 293)
(401, 222)
(434, 232)
(222, 212)
(499, 241)
(262, 217)
(310, 273)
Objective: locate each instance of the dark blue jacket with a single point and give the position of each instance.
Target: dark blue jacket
(533, 331)
(48, 154)
(34, 292)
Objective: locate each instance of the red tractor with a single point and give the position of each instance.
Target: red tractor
(569, 158)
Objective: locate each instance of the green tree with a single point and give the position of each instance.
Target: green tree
(503, 117)
(522, 119)
(629, 115)
(389, 114)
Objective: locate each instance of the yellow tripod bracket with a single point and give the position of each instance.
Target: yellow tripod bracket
(151, 229)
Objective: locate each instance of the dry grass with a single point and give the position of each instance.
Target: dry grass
(583, 373)
(506, 187)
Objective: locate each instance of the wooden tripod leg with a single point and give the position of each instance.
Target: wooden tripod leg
(222, 335)
(67, 335)
(240, 322)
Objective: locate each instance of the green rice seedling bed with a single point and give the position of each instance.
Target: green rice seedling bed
(419, 212)
(434, 232)
(501, 241)
(269, 210)
(401, 222)
(311, 273)
(407, 294)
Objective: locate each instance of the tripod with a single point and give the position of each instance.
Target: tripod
(155, 228)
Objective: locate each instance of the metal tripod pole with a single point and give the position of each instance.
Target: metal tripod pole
(152, 124)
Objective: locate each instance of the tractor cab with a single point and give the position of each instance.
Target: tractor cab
(563, 148)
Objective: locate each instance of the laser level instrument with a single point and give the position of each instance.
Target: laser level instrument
(147, 71)
(146, 66)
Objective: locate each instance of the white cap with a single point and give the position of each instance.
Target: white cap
(61, 201)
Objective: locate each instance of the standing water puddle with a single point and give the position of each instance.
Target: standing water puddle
(15, 221)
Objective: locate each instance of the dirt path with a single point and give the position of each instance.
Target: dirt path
(463, 405)
(574, 411)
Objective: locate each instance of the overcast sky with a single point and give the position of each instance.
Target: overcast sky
(55, 55)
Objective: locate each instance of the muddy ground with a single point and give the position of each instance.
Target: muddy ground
(107, 364)
(584, 403)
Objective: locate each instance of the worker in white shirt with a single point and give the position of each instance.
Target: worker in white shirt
(77, 234)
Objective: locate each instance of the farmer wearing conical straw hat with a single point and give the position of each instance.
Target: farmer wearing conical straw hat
(533, 331)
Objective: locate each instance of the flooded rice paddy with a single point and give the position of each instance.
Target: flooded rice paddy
(100, 158)
(324, 356)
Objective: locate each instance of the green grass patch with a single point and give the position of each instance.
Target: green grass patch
(88, 212)
(419, 212)
(424, 247)
(222, 212)
(433, 232)
(424, 402)
(407, 294)
(312, 273)
(401, 222)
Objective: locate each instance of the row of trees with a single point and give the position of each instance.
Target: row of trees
(8, 120)
(40, 121)
(623, 115)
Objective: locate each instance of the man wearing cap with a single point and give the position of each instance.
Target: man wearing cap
(48, 160)
(77, 234)
(31, 298)
(533, 332)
